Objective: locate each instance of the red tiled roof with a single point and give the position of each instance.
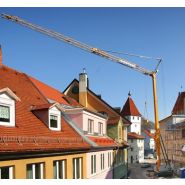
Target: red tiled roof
(107, 142)
(149, 134)
(179, 104)
(130, 109)
(53, 94)
(103, 141)
(133, 135)
(27, 124)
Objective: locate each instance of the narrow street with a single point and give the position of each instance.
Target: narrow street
(136, 172)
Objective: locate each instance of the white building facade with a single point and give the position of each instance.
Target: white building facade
(135, 139)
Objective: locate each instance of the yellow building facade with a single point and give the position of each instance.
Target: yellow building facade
(19, 166)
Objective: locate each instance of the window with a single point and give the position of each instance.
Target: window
(7, 107)
(102, 162)
(131, 149)
(138, 117)
(53, 121)
(4, 113)
(35, 171)
(109, 159)
(77, 168)
(90, 126)
(93, 164)
(100, 128)
(59, 169)
(120, 132)
(6, 172)
(183, 132)
(133, 117)
(54, 118)
(132, 140)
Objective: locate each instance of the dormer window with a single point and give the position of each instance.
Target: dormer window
(50, 114)
(53, 121)
(7, 107)
(54, 118)
(4, 114)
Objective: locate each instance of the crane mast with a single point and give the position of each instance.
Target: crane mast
(106, 55)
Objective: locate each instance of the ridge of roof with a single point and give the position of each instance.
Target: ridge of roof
(129, 108)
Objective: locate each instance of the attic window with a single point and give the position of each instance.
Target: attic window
(53, 121)
(7, 107)
(4, 113)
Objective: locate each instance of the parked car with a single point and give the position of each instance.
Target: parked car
(145, 165)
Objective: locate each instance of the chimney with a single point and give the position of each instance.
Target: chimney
(1, 57)
(83, 85)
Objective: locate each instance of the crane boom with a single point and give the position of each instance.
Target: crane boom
(76, 43)
(106, 55)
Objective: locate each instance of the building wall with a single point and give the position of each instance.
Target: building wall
(120, 164)
(138, 150)
(96, 119)
(107, 172)
(81, 120)
(20, 165)
(112, 131)
(173, 141)
(136, 124)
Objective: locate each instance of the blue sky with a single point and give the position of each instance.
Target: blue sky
(157, 32)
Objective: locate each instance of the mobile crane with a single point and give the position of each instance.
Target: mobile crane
(108, 56)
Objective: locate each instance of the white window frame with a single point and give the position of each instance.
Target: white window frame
(90, 126)
(10, 171)
(100, 128)
(75, 167)
(41, 170)
(55, 112)
(102, 161)
(93, 164)
(7, 101)
(109, 159)
(63, 168)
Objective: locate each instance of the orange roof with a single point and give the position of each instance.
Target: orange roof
(29, 132)
(130, 109)
(53, 94)
(103, 141)
(133, 135)
(107, 141)
(179, 104)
